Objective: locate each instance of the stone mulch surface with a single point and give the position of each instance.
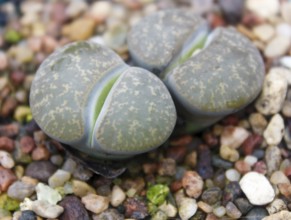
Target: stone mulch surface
(238, 168)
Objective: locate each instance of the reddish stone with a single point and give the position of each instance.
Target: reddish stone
(242, 167)
(184, 140)
(7, 177)
(285, 190)
(27, 144)
(260, 167)
(8, 106)
(210, 139)
(149, 168)
(192, 183)
(135, 208)
(287, 172)
(6, 144)
(177, 153)
(231, 120)
(9, 130)
(253, 141)
(40, 153)
(176, 185)
(17, 77)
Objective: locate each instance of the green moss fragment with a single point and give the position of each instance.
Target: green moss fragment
(8, 203)
(157, 194)
(12, 36)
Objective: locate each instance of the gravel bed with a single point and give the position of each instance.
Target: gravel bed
(239, 168)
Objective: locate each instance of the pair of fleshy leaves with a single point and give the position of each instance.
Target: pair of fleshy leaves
(210, 74)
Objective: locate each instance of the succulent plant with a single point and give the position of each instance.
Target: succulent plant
(85, 96)
(209, 74)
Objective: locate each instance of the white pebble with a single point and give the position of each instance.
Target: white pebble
(276, 206)
(169, 209)
(6, 159)
(46, 193)
(100, 10)
(95, 203)
(278, 46)
(232, 175)
(45, 209)
(233, 137)
(285, 11)
(59, 178)
(275, 130)
(251, 160)
(286, 61)
(264, 32)
(117, 196)
(258, 122)
(273, 95)
(75, 8)
(284, 72)
(282, 215)
(187, 208)
(257, 188)
(283, 29)
(219, 211)
(265, 8)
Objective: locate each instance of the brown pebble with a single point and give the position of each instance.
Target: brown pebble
(176, 185)
(253, 141)
(211, 216)
(192, 183)
(7, 177)
(8, 106)
(17, 77)
(210, 139)
(231, 120)
(9, 130)
(184, 140)
(6, 144)
(135, 208)
(287, 172)
(191, 159)
(285, 189)
(40, 153)
(149, 168)
(260, 167)
(49, 44)
(167, 167)
(242, 167)
(177, 153)
(27, 144)
(39, 137)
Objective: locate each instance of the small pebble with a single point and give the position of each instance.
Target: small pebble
(231, 192)
(219, 211)
(282, 215)
(212, 195)
(284, 72)
(7, 177)
(276, 206)
(250, 159)
(286, 110)
(278, 177)
(69, 165)
(135, 208)
(73, 209)
(243, 205)
(45, 209)
(265, 9)
(277, 47)
(167, 167)
(257, 188)
(232, 175)
(283, 29)
(40, 153)
(46, 193)
(204, 207)
(6, 144)
(233, 137)
(6, 160)
(286, 61)
(59, 178)
(228, 153)
(81, 188)
(57, 159)
(232, 211)
(27, 215)
(187, 208)
(95, 203)
(169, 209)
(20, 190)
(82, 173)
(272, 97)
(273, 159)
(75, 8)
(117, 196)
(251, 143)
(192, 183)
(264, 32)
(40, 170)
(258, 122)
(27, 144)
(100, 10)
(242, 167)
(257, 213)
(111, 214)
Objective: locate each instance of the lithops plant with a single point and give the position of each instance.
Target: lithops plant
(85, 96)
(210, 74)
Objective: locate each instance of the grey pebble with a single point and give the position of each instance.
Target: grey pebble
(40, 170)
